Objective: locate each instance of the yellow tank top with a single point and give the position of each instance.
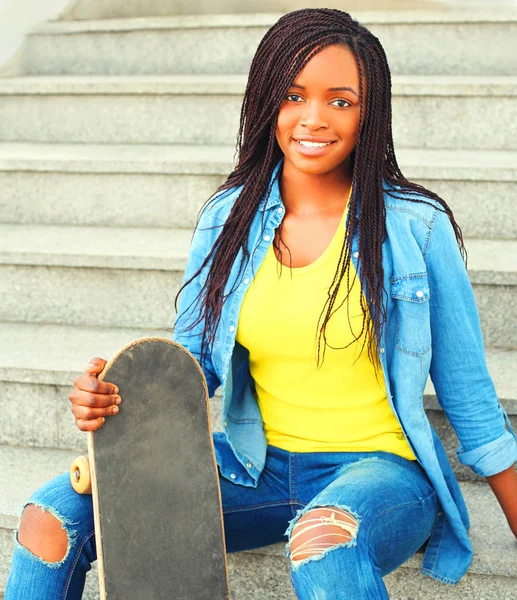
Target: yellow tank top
(339, 407)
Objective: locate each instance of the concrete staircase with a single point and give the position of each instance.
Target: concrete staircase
(109, 145)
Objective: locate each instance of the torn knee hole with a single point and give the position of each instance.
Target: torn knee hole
(319, 530)
(43, 534)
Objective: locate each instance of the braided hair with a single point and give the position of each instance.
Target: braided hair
(282, 53)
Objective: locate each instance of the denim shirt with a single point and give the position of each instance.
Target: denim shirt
(432, 328)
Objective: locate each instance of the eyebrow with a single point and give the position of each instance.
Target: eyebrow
(332, 89)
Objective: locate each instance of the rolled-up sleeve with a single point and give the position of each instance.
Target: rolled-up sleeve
(463, 385)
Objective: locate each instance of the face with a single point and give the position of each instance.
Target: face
(310, 110)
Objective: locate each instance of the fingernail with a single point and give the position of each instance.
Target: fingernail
(90, 366)
(103, 419)
(118, 400)
(115, 409)
(116, 390)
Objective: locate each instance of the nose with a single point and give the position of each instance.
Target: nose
(313, 117)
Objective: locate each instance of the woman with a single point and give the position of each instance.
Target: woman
(325, 443)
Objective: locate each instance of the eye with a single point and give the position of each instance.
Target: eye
(291, 95)
(347, 103)
(343, 100)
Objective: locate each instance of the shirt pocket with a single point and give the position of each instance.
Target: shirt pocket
(410, 293)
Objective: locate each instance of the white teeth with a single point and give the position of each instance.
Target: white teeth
(313, 144)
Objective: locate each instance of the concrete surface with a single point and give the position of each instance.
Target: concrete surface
(477, 42)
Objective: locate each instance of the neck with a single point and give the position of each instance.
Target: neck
(304, 193)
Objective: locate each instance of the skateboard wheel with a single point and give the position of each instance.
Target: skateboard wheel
(80, 475)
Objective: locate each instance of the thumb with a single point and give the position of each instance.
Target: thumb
(95, 366)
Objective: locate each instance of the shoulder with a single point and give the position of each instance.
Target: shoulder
(415, 218)
(212, 217)
(403, 205)
(422, 218)
(218, 207)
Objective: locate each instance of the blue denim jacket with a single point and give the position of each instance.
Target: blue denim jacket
(432, 328)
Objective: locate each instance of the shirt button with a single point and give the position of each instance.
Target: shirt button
(420, 293)
(231, 328)
(233, 476)
(226, 423)
(356, 254)
(248, 465)
(246, 281)
(267, 238)
(382, 350)
(280, 210)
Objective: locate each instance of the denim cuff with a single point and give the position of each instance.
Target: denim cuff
(491, 458)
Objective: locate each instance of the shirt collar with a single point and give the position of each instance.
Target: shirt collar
(274, 198)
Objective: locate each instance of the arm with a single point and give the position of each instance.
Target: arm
(504, 486)
(459, 372)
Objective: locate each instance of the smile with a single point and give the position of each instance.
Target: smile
(312, 149)
(313, 144)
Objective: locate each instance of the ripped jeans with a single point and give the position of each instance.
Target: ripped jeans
(390, 503)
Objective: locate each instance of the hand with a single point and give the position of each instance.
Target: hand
(93, 400)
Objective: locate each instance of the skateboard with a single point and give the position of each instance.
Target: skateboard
(152, 474)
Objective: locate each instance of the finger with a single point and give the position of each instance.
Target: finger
(95, 365)
(88, 383)
(85, 425)
(82, 398)
(88, 413)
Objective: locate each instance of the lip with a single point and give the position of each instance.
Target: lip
(312, 151)
(312, 138)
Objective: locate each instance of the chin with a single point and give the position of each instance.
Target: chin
(316, 165)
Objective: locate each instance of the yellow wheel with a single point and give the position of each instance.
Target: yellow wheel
(80, 475)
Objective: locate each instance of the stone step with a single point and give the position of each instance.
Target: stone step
(205, 109)
(128, 277)
(114, 185)
(263, 573)
(226, 43)
(91, 276)
(108, 9)
(38, 363)
(111, 184)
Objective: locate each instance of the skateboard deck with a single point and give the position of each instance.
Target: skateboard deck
(157, 505)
